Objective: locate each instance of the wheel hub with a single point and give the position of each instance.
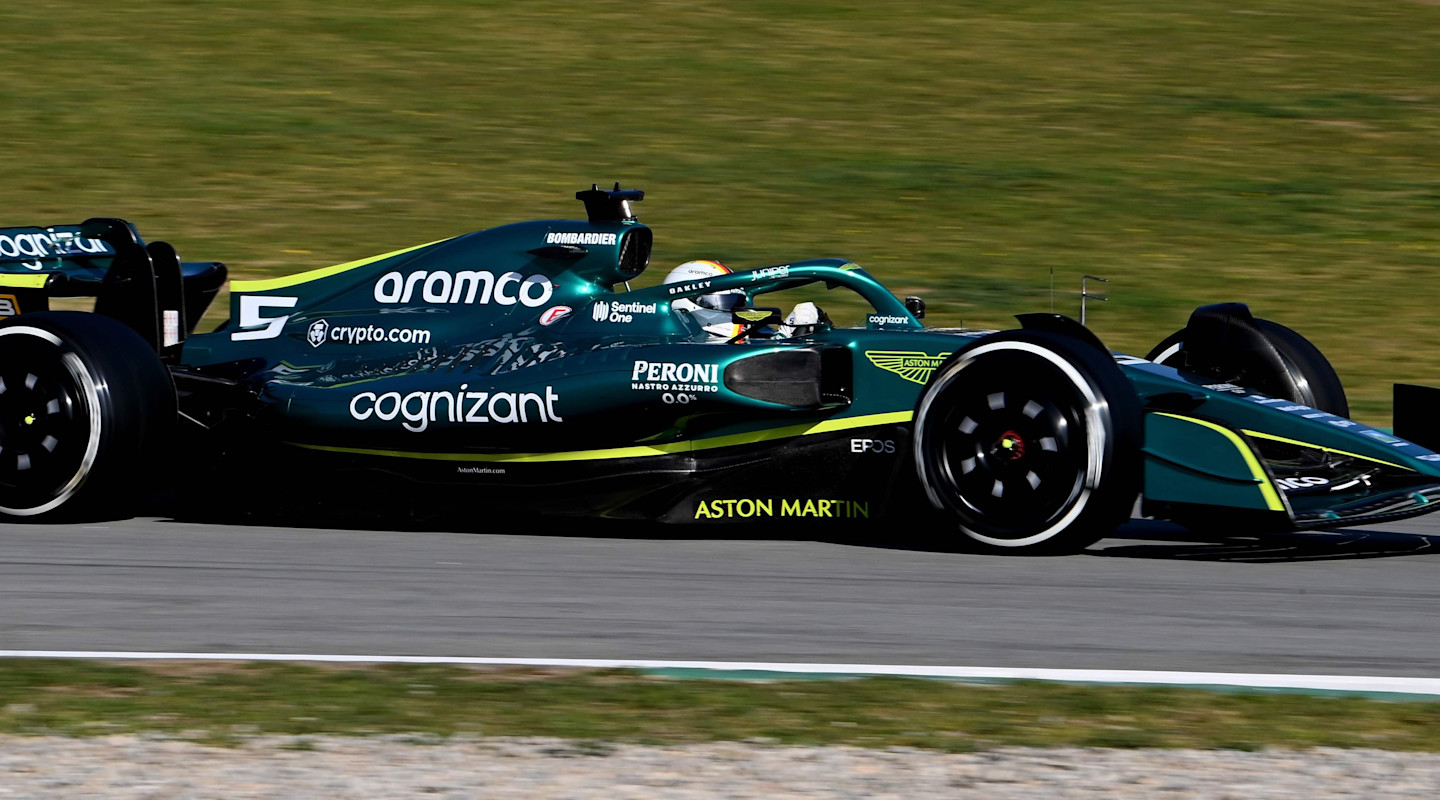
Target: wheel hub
(1010, 446)
(1005, 459)
(38, 430)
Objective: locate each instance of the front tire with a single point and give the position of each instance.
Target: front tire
(1030, 441)
(84, 403)
(1303, 374)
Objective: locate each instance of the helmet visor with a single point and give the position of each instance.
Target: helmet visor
(721, 301)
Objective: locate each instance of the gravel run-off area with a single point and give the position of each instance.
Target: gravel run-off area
(357, 768)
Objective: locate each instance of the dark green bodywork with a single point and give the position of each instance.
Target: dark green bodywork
(452, 362)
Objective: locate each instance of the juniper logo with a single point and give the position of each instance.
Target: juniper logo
(912, 366)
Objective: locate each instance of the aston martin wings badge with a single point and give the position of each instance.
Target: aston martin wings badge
(915, 367)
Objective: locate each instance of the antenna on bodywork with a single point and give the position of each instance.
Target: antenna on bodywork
(1085, 293)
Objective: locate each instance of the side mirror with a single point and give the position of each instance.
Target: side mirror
(915, 306)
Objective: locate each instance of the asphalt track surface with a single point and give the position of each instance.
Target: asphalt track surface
(1361, 602)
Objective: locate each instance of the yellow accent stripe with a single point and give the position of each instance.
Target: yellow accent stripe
(24, 281)
(827, 426)
(317, 274)
(1257, 471)
(1275, 438)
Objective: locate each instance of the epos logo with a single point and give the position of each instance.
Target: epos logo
(872, 446)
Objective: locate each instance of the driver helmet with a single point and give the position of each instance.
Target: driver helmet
(712, 310)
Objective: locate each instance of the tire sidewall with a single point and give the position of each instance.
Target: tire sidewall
(129, 404)
(1300, 356)
(93, 407)
(1110, 418)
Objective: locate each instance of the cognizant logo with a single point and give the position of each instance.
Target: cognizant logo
(466, 286)
(51, 244)
(419, 409)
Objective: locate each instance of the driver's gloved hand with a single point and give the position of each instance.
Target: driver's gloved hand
(804, 320)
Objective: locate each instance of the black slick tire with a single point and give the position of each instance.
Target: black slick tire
(85, 404)
(1029, 441)
(1309, 380)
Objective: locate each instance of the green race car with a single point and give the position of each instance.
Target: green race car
(516, 364)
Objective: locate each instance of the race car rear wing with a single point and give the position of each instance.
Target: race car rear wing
(145, 286)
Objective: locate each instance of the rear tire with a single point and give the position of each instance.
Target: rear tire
(1030, 441)
(84, 404)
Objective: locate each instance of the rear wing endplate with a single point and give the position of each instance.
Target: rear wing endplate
(142, 285)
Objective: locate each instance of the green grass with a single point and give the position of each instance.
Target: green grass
(1281, 153)
(221, 704)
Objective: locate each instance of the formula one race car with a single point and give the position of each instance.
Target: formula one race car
(505, 362)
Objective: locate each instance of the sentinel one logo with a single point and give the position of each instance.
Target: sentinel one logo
(619, 312)
(579, 238)
(465, 286)
(419, 409)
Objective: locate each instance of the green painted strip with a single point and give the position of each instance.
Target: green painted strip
(24, 281)
(1257, 470)
(316, 274)
(790, 431)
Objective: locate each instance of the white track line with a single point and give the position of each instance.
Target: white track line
(1326, 683)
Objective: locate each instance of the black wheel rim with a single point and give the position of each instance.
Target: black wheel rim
(1006, 446)
(44, 424)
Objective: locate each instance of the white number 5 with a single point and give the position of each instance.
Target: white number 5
(251, 318)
